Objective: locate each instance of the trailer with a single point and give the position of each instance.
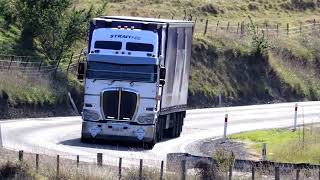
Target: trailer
(136, 79)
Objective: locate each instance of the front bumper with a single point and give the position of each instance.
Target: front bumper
(117, 131)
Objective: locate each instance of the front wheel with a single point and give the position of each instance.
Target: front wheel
(85, 140)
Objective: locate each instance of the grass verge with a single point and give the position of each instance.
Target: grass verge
(284, 145)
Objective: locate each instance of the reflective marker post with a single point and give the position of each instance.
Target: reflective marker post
(225, 128)
(264, 152)
(295, 117)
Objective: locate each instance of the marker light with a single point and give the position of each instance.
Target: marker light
(125, 27)
(119, 27)
(132, 27)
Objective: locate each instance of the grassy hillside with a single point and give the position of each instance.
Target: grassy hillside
(280, 11)
(221, 63)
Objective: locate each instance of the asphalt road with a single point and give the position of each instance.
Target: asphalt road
(61, 135)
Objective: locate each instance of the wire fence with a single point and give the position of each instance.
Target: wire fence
(34, 66)
(177, 166)
(206, 26)
(242, 29)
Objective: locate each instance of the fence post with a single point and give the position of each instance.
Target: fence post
(276, 173)
(228, 26)
(78, 160)
(238, 28)
(267, 29)
(314, 24)
(20, 155)
(26, 64)
(120, 167)
(220, 99)
(217, 26)
(11, 59)
(161, 170)
(140, 169)
(225, 128)
(277, 29)
(297, 174)
(99, 159)
(295, 117)
(58, 165)
(252, 171)
(69, 64)
(206, 27)
(230, 172)
(183, 170)
(264, 152)
(300, 29)
(288, 29)
(40, 65)
(37, 162)
(241, 29)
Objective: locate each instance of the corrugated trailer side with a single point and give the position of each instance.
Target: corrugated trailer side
(177, 63)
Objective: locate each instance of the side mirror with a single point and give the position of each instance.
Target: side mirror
(81, 71)
(162, 75)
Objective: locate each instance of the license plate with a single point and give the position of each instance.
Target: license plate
(119, 127)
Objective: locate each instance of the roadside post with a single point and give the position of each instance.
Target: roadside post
(225, 128)
(1, 145)
(264, 152)
(220, 99)
(295, 117)
(99, 159)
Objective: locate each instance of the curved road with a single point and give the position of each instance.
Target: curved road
(62, 135)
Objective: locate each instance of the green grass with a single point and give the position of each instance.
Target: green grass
(220, 63)
(262, 11)
(17, 89)
(284, 145)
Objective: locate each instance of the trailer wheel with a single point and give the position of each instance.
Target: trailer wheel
(160, 129)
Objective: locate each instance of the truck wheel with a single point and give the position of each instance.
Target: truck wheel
(85, 140)
(159, 129)
(149, 146)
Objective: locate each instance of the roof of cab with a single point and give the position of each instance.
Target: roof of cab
(142, 19)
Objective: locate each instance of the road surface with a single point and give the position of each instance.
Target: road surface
(61, 135)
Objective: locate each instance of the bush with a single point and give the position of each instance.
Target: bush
(210, 9)
(15, 171)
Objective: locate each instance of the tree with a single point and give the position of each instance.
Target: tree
(34, 15)
(52, 27)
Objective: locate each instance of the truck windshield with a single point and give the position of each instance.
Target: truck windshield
(122, 72)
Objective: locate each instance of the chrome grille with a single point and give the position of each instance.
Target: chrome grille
(119, 104)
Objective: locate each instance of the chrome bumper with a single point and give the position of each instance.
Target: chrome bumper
(117, 131)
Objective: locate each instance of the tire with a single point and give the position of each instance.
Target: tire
(160, 129)
(85, 140)
(149, 145)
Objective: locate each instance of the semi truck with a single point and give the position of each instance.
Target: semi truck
(135, 77)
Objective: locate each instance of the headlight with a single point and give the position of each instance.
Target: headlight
(146, 119)
(90, 115)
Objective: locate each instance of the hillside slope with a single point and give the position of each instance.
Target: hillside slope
(221, 63)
